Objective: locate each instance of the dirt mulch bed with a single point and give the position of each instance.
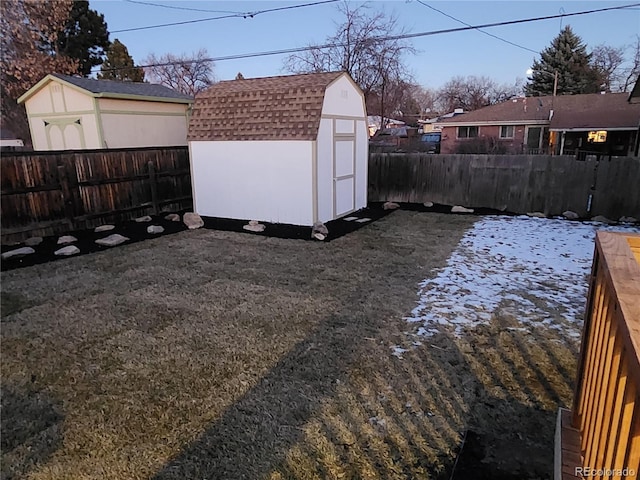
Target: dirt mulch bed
(137, 232)
(212, 354)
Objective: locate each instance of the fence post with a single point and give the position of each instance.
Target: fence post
(154, 186)
(70, 190)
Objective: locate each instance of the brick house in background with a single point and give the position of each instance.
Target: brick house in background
(599, 123)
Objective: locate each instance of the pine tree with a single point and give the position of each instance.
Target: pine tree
(119, 65)
(85, 37)
(567, 55)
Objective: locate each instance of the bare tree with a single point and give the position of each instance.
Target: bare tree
(361, 47)
(186, 74)
(630, 74)
(607, 62)
(426, 100)
(472, 93)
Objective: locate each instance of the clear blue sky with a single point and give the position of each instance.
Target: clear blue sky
(439, 57)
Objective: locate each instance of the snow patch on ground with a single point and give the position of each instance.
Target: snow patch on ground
(534, 269)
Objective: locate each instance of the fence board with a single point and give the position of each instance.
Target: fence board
(52, 192)
(514, 183)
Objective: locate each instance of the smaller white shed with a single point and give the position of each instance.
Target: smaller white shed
(290, 149)
(72, 113)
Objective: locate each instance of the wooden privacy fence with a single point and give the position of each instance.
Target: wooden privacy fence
(514, 183)
(606, 407)
(44, 193)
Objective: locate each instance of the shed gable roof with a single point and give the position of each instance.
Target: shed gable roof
(271, 108)
(113, 89)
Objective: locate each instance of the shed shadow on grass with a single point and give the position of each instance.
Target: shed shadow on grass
(31, 425)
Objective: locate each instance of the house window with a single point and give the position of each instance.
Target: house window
(599, 136)
(506, 131)
(467, 132)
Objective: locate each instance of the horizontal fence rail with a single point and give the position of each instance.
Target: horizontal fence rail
(515, 183)
(606, 409)
(44, 193)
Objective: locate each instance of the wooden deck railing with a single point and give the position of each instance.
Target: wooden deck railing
(606, 408)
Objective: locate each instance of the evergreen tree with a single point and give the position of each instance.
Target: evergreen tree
(119, 65)
(567, 56)
(85, 37)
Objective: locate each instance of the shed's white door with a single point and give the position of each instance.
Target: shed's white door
(344, 168)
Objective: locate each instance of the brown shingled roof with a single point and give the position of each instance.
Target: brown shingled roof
(271, 108)
(518, 109)
(595, 112)
(571, 112)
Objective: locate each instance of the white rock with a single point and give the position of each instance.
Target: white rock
(143, 219)
(536, 215)
(390, 206)
(172, 217)
(363, 220)
(319, 236)
(621, 220)
(321, 228)
(461, 209)
(254, 227)
(18, 252)
(104, 228)
(350, 219)
(33, 241)
(112, 240)
(67, 251)
(569, 215)
(602, 219)
(428, 204)
(192, 220)
(63, 240)
(154, 229)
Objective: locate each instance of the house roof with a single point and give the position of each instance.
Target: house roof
(609, 111)
(270, 108)
(113, 89)
(594, 111)
(518, 110)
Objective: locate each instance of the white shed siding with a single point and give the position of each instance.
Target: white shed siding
(270, 181)
(122, 130)
(114, 105)
(324, 175)
(343, 99)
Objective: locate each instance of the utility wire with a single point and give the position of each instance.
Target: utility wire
(232, 15)
(481, 31)
(385, 38)
(181, 8)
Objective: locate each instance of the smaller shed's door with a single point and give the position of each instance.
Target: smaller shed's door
(344, 167)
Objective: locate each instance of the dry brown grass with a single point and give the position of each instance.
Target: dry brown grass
(212, 355)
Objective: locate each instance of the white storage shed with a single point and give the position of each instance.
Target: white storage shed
(71, 113)
(290, 149)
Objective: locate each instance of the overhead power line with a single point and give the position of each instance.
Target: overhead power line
(231, 15)
(481, 31)
(173, 7)
(388, 37)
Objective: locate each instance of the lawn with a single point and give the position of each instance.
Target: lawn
(220, 355)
